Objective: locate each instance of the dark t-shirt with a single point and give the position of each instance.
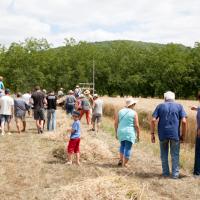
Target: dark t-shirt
(38, 99)
(51, 102)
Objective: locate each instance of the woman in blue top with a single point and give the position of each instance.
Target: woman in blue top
(126, 128)
(196, 171)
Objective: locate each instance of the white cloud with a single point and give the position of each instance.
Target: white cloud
(97, 20)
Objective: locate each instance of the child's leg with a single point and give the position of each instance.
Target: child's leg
(78, 158)
(69, 157)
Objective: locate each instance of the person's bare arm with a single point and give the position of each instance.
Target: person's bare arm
(153, 125)
(116, 124)
(137, 127)
(184, 129)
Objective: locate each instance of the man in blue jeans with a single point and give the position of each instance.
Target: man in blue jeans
(170, 115)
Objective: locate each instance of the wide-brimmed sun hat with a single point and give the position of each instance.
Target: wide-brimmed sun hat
(96, 96)
(169, 95)
(87, 92)
(130, 102)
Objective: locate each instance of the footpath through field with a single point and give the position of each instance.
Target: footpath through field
(33, 166)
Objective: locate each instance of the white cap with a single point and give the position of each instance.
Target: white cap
(169, 95)
(130, 101)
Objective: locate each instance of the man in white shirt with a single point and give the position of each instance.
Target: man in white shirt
(6, 111)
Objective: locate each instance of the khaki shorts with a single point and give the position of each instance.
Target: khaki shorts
(20, 118)
(96, 117)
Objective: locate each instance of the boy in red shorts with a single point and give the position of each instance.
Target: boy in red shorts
(74, 142)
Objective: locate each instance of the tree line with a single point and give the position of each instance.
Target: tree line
(121, 67)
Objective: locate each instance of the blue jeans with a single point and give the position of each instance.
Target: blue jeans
(197, 157)
(51, 119)
(125, 148)
(174, 151)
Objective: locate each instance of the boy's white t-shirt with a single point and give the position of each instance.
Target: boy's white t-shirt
(6, 103)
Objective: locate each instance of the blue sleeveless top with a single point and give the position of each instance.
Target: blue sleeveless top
(126, 125)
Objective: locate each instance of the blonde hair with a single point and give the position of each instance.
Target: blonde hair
(1, 78)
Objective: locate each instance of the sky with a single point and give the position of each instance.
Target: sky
(160, 21)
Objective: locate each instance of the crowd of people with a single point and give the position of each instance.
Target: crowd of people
(171, 117)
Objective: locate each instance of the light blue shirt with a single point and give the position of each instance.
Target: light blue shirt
(126, 125)
(77, 128)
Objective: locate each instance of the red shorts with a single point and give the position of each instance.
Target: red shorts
(73, 146)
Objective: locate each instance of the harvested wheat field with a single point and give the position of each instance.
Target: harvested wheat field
(32, 167)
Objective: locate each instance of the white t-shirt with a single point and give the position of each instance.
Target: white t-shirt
(6, 103)
(26, 97)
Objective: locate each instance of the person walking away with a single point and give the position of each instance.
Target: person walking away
(170, 115)
(51, 111)
(20, 108)
(6, 111)
(27, 98)
(196, 171)
(126, 128)
(1, 83)
(70, 102)
(97, 112)
(74, 142)
(77, 91)
(85, 108)
(39, 101)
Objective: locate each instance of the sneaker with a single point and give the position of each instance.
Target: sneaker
(9, 133)
(2, 133)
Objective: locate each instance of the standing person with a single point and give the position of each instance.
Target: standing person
(170, 115)
(20, 108)
(89, 97)
(126, 128)
(70, 102)
(97, 112)
(6, 111)
(74, 142)
(1, 83)
(51, 111)
(27, 98)
(39, 101)
(196, 171)
(85, 108)
(77, 91)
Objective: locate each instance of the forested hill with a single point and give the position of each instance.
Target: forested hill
(121, 67)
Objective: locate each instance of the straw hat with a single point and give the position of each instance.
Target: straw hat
(87, 92)
(96, 96)
(81, 96)
(130, 102)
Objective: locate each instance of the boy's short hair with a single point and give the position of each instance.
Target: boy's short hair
(76, 113)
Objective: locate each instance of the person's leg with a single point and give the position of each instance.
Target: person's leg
(164, 150)
(8, 123)
(98, 122)
(53, 119)
(121, 153)
(81, 114)
(2, 124)
(174, 151)
(70, 150)
(18, 125)
(197, 157)
(24, 125)
(77, 151)
(48, 120)
(88, 116)
(127, 153)
(93, 122)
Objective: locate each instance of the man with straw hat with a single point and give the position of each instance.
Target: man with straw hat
(127, 130)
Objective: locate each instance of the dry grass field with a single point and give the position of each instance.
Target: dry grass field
(32, 167)
(145, 108)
